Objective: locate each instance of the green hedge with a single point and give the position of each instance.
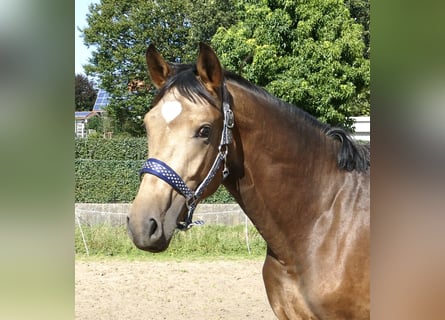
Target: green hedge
(111, 149)
(106, 181)
(107, 170)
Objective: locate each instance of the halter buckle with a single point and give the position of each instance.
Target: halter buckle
(228, 116)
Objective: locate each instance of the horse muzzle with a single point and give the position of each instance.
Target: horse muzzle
(152, 229)
(147, 235)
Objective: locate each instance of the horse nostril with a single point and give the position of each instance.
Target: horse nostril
(152, 227)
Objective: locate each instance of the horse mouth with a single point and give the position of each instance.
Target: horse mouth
(150, 238)
(153, 232)
(153, 248)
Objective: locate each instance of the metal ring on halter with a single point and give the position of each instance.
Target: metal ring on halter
(191, 201)
(225, 152)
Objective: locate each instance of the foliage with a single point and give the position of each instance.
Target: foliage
(111, 149)
(359, 10)
(312, 53)
(309, 53)
(220, 196)
(96, 123)
(120, 31)
(84, 93)
(209, 241)
(107, 170)
(205, 18)
(106, 181)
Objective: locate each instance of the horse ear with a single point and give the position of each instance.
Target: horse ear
(209, 68)
(157, 67)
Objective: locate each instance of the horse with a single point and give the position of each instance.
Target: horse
(304, 185)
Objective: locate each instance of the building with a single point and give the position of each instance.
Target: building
(82, 117)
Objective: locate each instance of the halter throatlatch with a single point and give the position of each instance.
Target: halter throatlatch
(166, 173)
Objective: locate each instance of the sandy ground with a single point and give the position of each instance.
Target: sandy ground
(170, 290)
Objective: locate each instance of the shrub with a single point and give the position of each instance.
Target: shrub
(107, 170)
(106, 181)
(111, 149)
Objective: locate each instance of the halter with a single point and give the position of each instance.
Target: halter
(164, 172)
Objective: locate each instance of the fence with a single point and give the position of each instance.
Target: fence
(116, 213)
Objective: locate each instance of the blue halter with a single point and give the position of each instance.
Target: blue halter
(164, 172)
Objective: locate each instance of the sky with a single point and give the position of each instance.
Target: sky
(82, 53)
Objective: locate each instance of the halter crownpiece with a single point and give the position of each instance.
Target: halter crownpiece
(164, 172)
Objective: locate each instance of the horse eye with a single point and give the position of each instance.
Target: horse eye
(204, 132)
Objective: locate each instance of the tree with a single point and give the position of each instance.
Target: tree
(96, 123)
(121, 30)
(84, 93)
(205, 18)
(359, 10)
(309, 53)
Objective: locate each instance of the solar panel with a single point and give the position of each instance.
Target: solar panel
(102, 100)
(81, 114)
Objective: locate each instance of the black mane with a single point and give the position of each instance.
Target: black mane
(351, 156)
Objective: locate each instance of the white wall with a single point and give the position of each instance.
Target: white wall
(362, 127)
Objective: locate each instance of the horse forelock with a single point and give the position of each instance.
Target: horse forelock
(184, 79)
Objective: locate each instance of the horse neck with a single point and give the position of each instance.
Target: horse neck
(277, 165)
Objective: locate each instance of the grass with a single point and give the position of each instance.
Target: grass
(204, 242)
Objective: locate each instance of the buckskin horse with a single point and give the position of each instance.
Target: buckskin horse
(304, 185)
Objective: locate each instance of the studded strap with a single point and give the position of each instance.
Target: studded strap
(163, 171)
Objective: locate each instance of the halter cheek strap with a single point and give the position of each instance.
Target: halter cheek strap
(164, 172)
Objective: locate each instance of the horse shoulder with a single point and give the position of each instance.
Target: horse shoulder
(283, 291)
(338, 254)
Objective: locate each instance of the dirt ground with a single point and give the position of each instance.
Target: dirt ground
(170, 290)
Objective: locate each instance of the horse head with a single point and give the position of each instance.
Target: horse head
(184, 129)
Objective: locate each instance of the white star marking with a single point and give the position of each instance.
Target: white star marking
(170, 110)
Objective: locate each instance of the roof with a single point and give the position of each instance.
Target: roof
(81, 115)
(102, 100)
